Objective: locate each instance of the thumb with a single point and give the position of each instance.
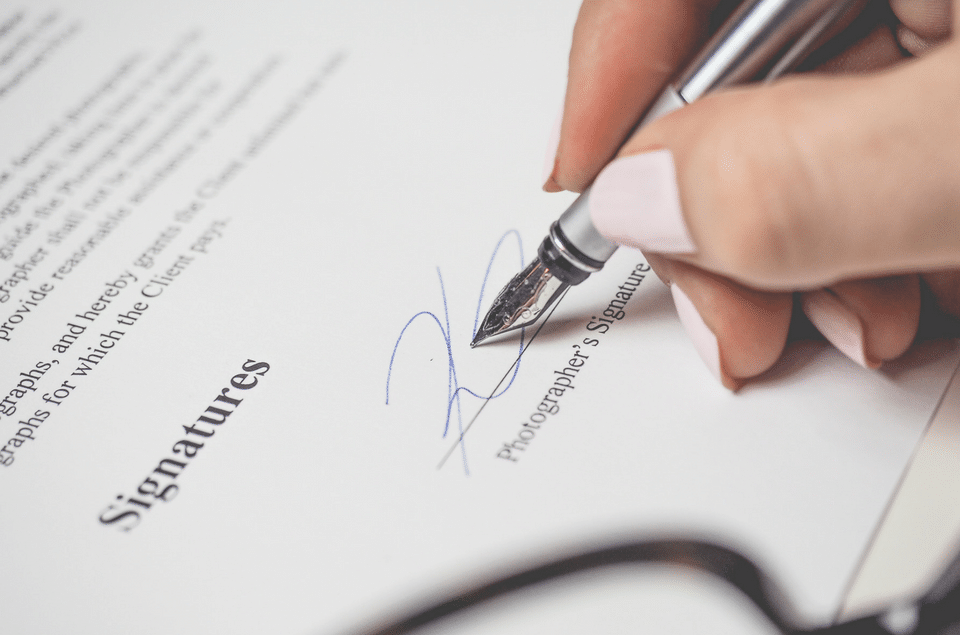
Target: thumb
(801, 183)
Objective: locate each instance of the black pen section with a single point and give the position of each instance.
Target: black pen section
(553, 253)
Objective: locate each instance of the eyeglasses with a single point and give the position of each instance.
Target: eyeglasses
(936, 613)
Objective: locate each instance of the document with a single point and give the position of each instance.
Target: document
(244, 247)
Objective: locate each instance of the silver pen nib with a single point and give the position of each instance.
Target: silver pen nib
(521, 302)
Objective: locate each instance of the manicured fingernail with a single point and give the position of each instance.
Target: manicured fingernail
(550, 159)
(635, 201)
(838, 324)
(703, 338)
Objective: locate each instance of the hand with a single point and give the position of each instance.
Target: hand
(839, 187)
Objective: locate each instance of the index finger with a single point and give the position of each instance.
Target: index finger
(623, 53)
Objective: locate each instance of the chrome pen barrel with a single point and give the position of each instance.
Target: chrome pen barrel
(761, 40)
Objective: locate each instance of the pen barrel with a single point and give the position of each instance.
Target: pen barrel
(762, 39)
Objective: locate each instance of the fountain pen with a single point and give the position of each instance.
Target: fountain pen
(761, 40)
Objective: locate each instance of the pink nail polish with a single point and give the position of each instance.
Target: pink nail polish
(635, 201)
(838, 324)
(550, 159)
(703, 338)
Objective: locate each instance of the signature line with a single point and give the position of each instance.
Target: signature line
(516, 365)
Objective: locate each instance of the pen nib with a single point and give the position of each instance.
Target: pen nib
(521, 302)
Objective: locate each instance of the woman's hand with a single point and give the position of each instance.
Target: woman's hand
(842, 185)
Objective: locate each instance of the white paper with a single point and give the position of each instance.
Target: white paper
(306, 178)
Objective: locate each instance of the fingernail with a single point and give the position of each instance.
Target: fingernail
(635, 201)
(550, 159)
(703, 338)
(838, 324)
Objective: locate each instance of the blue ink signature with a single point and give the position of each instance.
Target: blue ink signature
(454, 389)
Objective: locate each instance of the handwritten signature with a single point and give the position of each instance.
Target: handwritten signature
(454, 390)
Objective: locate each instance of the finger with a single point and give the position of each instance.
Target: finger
(916, 44)
(869, 321)
(623, 53)
(738, 332)
(925, 24)
(929, 19)
(799, 184)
